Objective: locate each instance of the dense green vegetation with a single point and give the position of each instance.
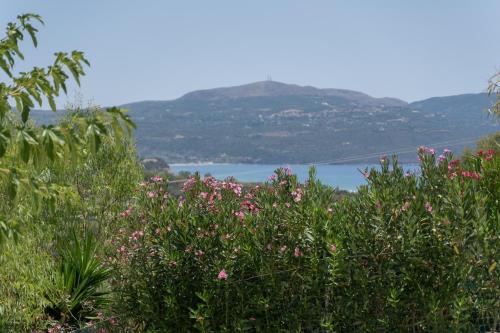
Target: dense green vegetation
(101, 244)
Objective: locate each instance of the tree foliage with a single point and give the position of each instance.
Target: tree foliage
(26, 148)
(494, 88)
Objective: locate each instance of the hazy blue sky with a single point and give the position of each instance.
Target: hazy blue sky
(149, 49)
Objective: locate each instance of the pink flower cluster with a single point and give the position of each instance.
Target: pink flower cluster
(428, 150)
(488, 155)
(56, 329)
(428, 207)
(222, 275)
(136, 235)
(453, 167)
(240, 214)
(471, 174)
(127, 212)
(297, 194)
(252, 208)
(189, 184)
(130, 244)
(157, 179)
(235, 188)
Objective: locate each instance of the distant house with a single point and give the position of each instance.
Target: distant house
(155, 164)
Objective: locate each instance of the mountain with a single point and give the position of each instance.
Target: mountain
(273, 122)
(278, 89)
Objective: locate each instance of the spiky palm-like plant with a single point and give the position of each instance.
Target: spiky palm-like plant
(80, 282)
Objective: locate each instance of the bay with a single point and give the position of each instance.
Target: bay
(344, 176)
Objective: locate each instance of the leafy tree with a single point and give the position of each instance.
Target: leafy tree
(25, 147)
(494, 88)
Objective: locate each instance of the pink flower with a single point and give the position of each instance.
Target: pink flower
(406, 205)
(297, 253)
(329, 210)
(137, 234)
(423, 149)
(428, 207)
(152, 194)
(297, 195)
(157, 179)
(272, 177)
(446, 151)
(222, 275)
(240, 215)
(471, 174)
(126, 213)
(189, 184)
(333, 248)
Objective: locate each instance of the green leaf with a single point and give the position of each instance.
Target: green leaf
(13, 184)
(4, 66)
(52, 103)
(4, 141)
(32, 32)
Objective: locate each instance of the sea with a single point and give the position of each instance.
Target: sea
(343, 176)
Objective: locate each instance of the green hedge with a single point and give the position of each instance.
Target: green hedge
(410, 252)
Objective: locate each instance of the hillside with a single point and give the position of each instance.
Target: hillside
(272, 122)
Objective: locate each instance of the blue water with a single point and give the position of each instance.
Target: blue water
(344, 176)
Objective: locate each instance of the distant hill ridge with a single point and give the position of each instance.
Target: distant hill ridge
(273, 122)
(274, 89)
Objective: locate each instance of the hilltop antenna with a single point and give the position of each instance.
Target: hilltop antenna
(269, 77)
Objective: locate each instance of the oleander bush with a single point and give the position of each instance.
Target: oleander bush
(412, 251)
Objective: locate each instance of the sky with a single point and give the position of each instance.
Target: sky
(162, 49)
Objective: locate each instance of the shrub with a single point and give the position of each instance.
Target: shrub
(80, 282)
(95, 189)
(409, 252)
